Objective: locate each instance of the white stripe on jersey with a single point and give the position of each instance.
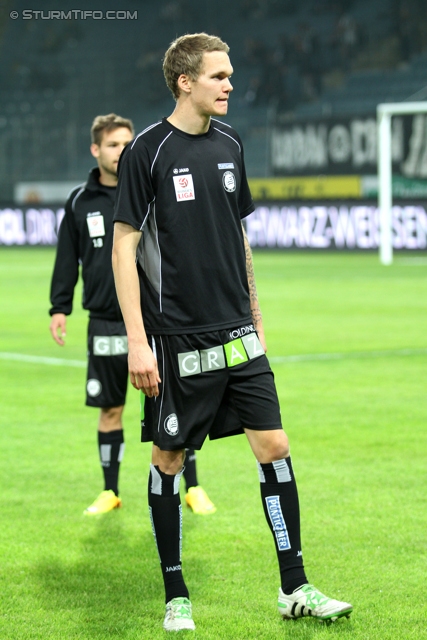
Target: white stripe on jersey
(148, 213)
(163, 383)
(156, 124)
(75, 198)
(160, 145)
(221, 122)
(231, 138)
(160, 261)
(153, 347)
(78, 186)
(158, 151)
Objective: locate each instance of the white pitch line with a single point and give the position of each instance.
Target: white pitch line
(58, 362)
(312, 357)
(411, 262)
(305, 357)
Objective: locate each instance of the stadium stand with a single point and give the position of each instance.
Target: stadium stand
(302, 59)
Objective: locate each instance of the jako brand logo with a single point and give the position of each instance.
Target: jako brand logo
(176, 567)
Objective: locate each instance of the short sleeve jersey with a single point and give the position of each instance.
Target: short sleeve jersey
(187, 194)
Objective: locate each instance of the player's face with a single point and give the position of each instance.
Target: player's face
(211, 90)
(108, 152)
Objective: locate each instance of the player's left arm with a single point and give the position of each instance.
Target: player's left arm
(253, 296)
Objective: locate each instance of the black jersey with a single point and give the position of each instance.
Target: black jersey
(187, 194)
(86, 238)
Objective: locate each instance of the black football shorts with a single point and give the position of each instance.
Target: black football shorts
(107, 372)
(214, 384)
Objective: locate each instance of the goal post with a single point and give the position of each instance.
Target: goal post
(385, 112)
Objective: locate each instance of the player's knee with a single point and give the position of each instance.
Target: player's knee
(110, 418)
(170, 462)
(279, 447)
(271, 446)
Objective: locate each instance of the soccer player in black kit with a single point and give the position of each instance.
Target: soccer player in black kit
(86, 237)
(185, 282)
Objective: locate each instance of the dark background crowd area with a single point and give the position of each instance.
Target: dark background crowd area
(326, 44)
(300, 58)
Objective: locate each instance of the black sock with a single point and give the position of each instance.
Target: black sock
(111, 449)
(190, 472)
(281, 507)
(166, 519)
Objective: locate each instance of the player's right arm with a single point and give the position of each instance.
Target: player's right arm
(143, 369)
(65, 274)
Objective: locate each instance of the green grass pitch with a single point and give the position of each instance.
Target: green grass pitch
(348, 344)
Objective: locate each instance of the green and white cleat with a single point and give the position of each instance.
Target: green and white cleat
(309, 601)
(178, 615)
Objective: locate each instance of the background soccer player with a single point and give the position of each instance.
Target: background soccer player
(86, 237)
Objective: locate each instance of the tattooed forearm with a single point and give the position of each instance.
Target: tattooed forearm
(255, 310)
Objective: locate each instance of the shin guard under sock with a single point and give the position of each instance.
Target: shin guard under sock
(166, 519)
(281, 507)
(111, 449)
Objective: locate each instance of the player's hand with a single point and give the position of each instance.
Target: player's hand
(143, 370)
(58, 328)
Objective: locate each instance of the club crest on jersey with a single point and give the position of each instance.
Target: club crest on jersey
(171, 425)
(184, 188)
(229, 181)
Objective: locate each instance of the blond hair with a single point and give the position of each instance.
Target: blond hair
(108, 123)
(185, 56)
